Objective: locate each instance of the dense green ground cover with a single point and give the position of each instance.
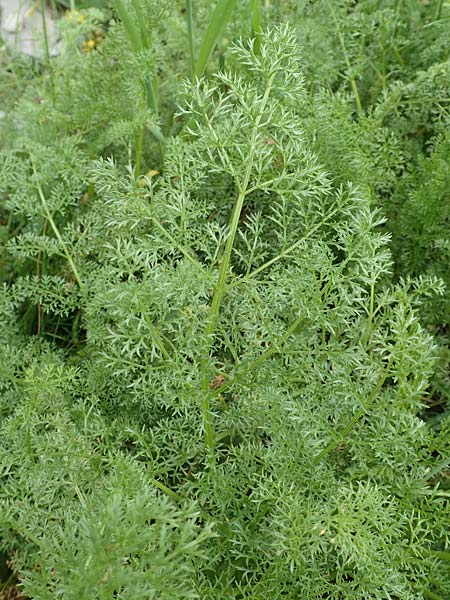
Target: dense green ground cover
(224, 305)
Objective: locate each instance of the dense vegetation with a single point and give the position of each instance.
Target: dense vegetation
(224, 304)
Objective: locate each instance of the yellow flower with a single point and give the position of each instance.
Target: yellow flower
(88, 46)
(74, 15)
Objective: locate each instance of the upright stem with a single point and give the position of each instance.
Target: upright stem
(370, 315)
(438, 12)
(56, 232)
(347, 62)
(190, 25)
(138, 157)
(38, 275)
(220, 288)
(151, 89)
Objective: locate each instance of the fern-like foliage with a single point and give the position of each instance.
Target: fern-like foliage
(223, 395)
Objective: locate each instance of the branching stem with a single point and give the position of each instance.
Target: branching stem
(343, 434)
(221, 284)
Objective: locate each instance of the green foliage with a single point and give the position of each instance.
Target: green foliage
(219, 380)
(219, 18)
(423, 210)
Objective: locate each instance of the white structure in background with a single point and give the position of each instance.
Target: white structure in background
(22, 27)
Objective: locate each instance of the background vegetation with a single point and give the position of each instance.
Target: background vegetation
(225, 302)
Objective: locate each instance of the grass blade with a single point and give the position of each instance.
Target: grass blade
(132, 31)
(190, 25)
(219, 20)
(141, 24)
(139, 42)
(256, 24)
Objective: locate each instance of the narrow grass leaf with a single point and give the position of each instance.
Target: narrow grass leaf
(219, 20)
(190, 26)
(132, 31)
(256, 24)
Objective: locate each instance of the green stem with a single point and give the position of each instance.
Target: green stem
(256, 25)
(274, 348)
(167, 490)
(138, 158)
(333, 445)
(181, 499)
(179, 246)
(157, 338)
(347, 61)
(151, 87)
(438, 12)
(151, 92)
(56, 231)
(139, 41)
(220, 288)
(190, 26)
(283, 254)
(440, 554)
(356, 95)
(250, 366)
(371, 314)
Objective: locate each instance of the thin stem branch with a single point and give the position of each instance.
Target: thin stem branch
(38, 275)
(138, 157)
(343, 434)
(221, 284)
(347, 61)
(179, 246)
(283, 253)
(56, 231)
(371, 314)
